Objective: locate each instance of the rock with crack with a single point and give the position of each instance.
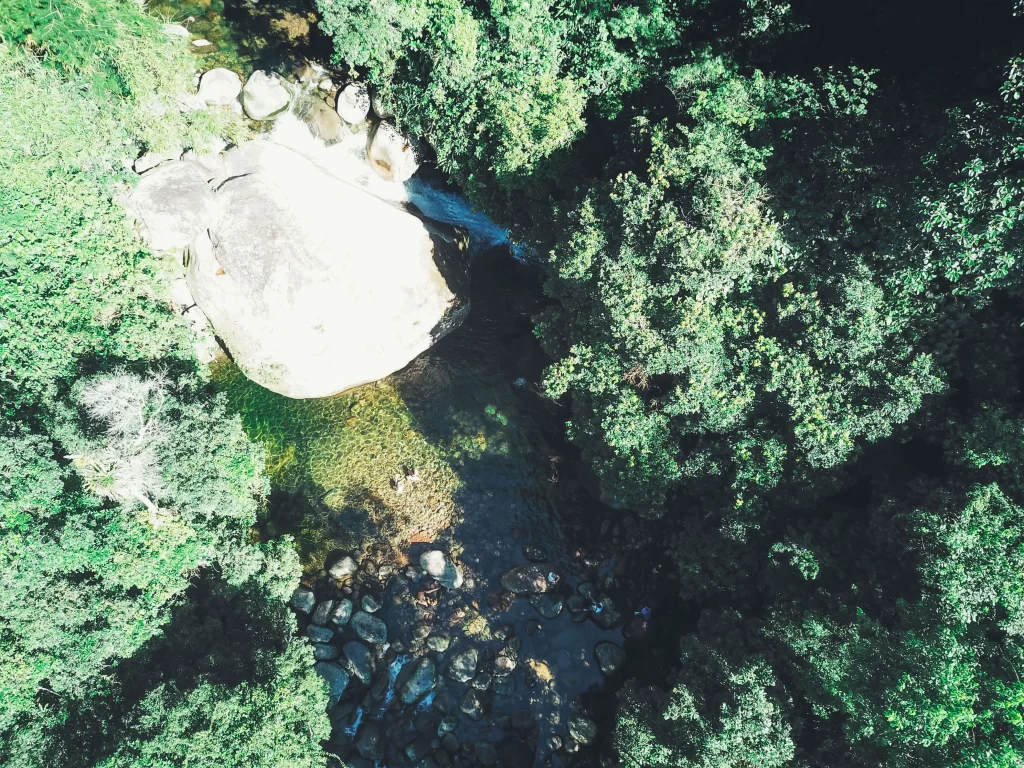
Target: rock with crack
(313, 285)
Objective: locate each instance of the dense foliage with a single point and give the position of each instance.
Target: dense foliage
(782, 247)
(127, 491)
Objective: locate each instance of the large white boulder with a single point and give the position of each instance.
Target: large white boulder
(265, 95)
(354, 103)
(219, 87)
(390, 154)
(314, 285)
(173, 203)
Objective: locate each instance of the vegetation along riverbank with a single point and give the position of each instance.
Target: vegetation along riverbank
(699, 437)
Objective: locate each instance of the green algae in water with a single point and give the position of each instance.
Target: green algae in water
(343, 454)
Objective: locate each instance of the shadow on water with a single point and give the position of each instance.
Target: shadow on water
(245, 35)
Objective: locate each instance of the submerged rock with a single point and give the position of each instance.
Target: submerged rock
(548, 605)
(463, 665)
(530, 579)
(369, 627)
(472, 705)
(583, 729)
(421, 678)
(368, 741)
(610, 657)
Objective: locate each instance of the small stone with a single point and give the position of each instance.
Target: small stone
(342, 569)
(370, 604)
(438, 566)
(553, 743)
(369, 627)
(583, 729)
(610, 657)
(534, 554)
(360, 660)
(482, 680)
(531, 579)
(336, 677)
(303, 599)
(175, 30)
(416, 750)
(463, 666)
(505, 662)
(325, 652)
(503, 632)
(342, 612)
(323, 612)
(325, 84)
(450, 742)
(201, 43)
(549, 606)
(421, 629)
(319, 634)
(422, 678)
(504, 686)
(438, 643)
(472, 705)
(486, 753)
(447, 725)
(586, 590)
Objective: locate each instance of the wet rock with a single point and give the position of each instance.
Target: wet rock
(503, 632)
(438, 643)
(504, 686)
(604, 613)
(586, 590)
(323, 121)
(354, 103)
(437, 565)
(577, 604)
(553, 743)
(610, 657)
(323, 612)
(417, 750)
(421, 630)
(342, 612)
(534, 554)
(368, 741)
(450, 743)
(531, 579)
(343, 569)
(583, 729)
(548, 605)
(505, 662)
(319, 634)
(447, 725)
(486, 753)
(369, 627)
(422, 678)
(219, 86)
(336, 677)
(390, 154)
(370, 604)
(380, 685)
(303, 600)
(360, 660)
(463, 665)
(472, 705)
(482, 680)
(325, 652)
(265, 95)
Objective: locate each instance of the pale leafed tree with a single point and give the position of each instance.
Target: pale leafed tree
(125, 467)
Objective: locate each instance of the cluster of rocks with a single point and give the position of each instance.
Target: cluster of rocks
(312, 284)
(404, 682)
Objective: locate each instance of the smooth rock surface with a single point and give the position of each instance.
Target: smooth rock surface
(463, 666)
(609, 657)
(421, 678)
(173, 203)
(303, 599)
(314, 285)
(531, 579)
(265, 95)
(342, 612)
(219, 86)
(343, 568)
(353, 103)
(336, 677)
(369, 627)
(360, 660)
(390, 154)
(437, 565)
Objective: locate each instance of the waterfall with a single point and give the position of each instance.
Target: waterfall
(347, 161)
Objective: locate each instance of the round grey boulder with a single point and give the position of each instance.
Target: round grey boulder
(583, 729)
(353, 103)
(265, 95)
(610, 657)
(422, 677)
(463, 665)
(390, 154)
(303, 600)
(219, 87)
(369, 627)
(437, 565)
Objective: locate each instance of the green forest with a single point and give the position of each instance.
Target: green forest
(783, 306)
